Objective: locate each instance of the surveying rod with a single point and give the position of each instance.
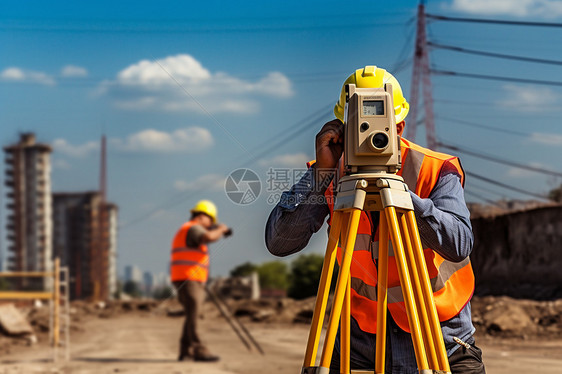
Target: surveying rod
(371, 160)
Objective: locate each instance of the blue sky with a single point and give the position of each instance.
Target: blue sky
(187, 92)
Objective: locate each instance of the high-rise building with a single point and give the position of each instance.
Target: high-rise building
(29, 225)
(133, 274)
(85, 239)
(111, 216)
(148, 283)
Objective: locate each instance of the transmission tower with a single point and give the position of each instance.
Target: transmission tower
(420, 75)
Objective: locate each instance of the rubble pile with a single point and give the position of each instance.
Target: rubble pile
(283, 310)
(495, 316)
(504, 316)
(27, 324)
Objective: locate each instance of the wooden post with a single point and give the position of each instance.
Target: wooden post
(56, 300)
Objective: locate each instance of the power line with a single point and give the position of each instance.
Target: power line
(488, 190)
(493, 54)
(500, 160)
(492, 21)
(507, 186)
(497, 78)
(496, 104)
(486, 127)
(175, 30)
(269, 144)
(491, 202)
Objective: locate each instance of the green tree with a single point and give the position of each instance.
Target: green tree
(162, 293)
(556, 194)
(4, 284)
(132, 288)
(305, 276)
(274, 275)
(243, 270)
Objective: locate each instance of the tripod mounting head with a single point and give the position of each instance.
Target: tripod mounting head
(372, 143)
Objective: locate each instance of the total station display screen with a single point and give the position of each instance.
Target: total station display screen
(373, 107)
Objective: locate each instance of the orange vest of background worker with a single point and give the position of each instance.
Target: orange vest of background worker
(189, 271)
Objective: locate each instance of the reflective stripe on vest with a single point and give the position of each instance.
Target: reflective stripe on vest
(187, 249)
(188, 263)
(411, 168)
(452, 283)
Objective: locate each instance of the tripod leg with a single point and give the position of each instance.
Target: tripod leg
(382, 282)
(345, 320)
(340, 288)
(428, 293)
(345, 324)
(404, 276)
(323, 291)
(419, 296)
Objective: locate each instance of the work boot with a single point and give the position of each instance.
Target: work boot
(184, 354)
(202, 354)
(207, 358)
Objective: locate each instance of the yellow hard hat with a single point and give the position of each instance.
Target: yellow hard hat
(374, 77)
(207, 207)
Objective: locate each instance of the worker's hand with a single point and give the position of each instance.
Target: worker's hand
(329, 145)
(222, 227)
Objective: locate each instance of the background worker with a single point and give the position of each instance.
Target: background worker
(189, 269)
(435, 181)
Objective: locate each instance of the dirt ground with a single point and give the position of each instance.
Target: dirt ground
(148, 342)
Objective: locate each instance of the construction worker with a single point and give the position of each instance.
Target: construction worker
(436, 184)
(189, 270)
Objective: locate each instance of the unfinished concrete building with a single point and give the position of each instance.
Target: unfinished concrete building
(85, 239)
(28, 185)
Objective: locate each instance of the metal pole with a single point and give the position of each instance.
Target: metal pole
(56, 311)
(233, 321)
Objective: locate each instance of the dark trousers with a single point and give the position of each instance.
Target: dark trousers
(467, 361)
(191, 295)
(462, 361)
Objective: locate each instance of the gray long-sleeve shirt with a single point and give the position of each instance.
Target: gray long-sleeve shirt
(444, 225)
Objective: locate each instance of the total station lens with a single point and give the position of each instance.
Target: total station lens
(380, 140)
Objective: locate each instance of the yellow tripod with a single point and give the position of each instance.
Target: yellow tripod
(388, 194)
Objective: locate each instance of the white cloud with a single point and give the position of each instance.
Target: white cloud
(168, 84)
(529, 98)
(15, 74)
(524, 173)
(213, 182)
(517, 8)
(61, 164)
(187, 140)
(291, 160)
(73, 71)
(62, 146)
(549, 139)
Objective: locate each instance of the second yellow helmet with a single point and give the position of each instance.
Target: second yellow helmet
(207, 207)
(374, 77)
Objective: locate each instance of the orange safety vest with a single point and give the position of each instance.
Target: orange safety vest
(188, 263)
(452, 282)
